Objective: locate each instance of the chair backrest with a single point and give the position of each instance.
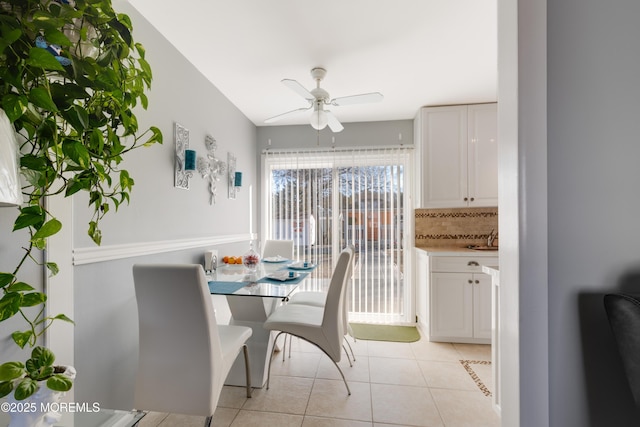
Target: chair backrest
(624, 317)
(333, 323)
(180, 358)
(284, 248)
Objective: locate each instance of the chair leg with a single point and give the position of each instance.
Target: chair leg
(341, 374)
(247, 369)
(353, 356)
(347, 354)
(271, 358)
(321, 349)
(207, 421)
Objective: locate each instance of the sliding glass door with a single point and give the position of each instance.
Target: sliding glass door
(326, 200)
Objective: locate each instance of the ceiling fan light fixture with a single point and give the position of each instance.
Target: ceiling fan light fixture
(319, 119)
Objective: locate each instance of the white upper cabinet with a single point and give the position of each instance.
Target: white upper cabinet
(458, 156)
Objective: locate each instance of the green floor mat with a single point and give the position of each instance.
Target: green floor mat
(366, 331)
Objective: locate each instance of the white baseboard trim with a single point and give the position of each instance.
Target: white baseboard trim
(91, 255)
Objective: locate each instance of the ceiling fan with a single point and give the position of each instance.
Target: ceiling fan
(318, 98)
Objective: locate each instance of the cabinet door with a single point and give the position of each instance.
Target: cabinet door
(422, 286)
(483, 155)
(444, 156)
(451, 306)
(481, 306)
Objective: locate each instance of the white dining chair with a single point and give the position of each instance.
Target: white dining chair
(319, 299)
(320, 326)
(184, 355)
(283, 248)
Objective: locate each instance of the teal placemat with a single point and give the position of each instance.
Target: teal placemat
(225, 288)
(284, 282)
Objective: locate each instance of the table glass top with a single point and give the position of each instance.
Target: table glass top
(237, 280)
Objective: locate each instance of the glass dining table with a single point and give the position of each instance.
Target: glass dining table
(252, 297)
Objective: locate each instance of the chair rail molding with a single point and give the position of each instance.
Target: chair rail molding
(91, 255)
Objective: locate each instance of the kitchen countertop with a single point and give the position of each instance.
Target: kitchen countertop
(456, 251)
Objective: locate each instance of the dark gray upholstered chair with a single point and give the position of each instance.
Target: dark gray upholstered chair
(623, 311)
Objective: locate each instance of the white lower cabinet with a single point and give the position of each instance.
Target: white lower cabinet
(459, 299)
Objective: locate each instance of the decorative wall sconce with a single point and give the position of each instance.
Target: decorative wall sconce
(232, 175)
(182, 172)
(211, 167)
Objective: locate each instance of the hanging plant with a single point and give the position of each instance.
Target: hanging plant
(70, 78)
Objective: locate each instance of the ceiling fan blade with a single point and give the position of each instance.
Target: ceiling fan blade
(287, 114)
(298, 88)
(357, 99)
(333, 122)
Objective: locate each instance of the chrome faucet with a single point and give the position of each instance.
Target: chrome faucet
(491, 238)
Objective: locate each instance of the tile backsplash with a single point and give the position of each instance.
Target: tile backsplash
(457, 227)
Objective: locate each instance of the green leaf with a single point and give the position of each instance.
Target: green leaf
(52, 267)
(59, 382)
(40, 97)
(43, 355)
(97, 141)
(25, 388)
(77, 117)
(77, 152)
(156, 136)
(22, 338)
(64, 318)
(95, 233)
(31, 216)
(75, 185)
(11, 370)
(11, 36)
(5, 279)
(41, 58)
(140, 49)
(49, 228)
(126, 182)
(9, 305)
(6, 387)
(32, 299)
(32, 162)
(14, 105)
(20, 287)
(55, 36)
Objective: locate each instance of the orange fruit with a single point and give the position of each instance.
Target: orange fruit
(231, 260)
(225, 259)
(239, 260)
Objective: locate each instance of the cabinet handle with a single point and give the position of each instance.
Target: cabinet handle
(477, 281)
(466, 199)
(473, 263)
(470, 281)
(472, 199)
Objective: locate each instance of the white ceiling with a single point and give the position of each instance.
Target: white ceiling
(415, 52)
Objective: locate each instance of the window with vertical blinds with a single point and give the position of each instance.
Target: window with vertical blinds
(326, 200)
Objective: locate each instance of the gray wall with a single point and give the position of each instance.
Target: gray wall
(593, 175)
(105, 310)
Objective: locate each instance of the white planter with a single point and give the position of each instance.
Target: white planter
(41, 409)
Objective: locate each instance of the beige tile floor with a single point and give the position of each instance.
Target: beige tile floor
(392, 384)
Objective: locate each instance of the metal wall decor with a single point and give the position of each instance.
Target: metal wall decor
(182, 176)
(211, 167)
(231, 158)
